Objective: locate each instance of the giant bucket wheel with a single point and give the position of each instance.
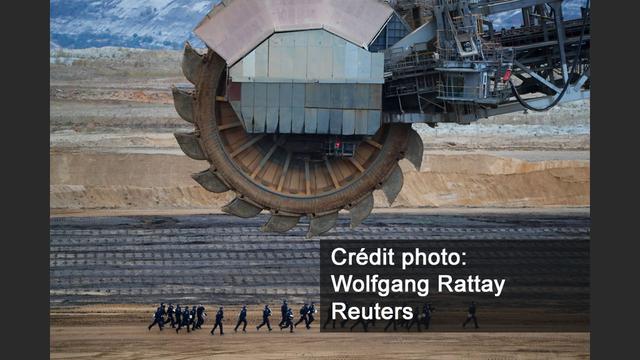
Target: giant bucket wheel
(276, 172)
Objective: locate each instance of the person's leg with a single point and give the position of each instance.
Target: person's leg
(475, 321)
(244, 327)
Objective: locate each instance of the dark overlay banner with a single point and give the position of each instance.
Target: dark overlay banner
(455, 285)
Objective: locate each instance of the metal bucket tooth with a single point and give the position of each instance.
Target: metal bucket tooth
(192, 63)
(392, 186)
(241, 208)
(280, 224)
(415, 149)
(361, 211)
(183, 101)
(189, 144)
(322, 224)
(210, 181)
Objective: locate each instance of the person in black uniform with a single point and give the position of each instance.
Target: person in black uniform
(200, 314)
(266, 313)
(426, 312)
(178, 313)
(283, 312)
(170, 316)
(185, 320)
(304, 310)
(219, 317)
(242, 319)
(192, 317)
(158, 319)
(329, 319)
(393, 322)
(289, 321)
(344, 322)
(415, 320)
(310, 315)
(360, 321)
(471, 315)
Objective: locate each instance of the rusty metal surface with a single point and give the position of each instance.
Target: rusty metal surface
(233, 30)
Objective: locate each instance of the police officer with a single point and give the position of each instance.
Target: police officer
(415, 320)
(310, 315)
(192, 317)
(289, 321)
(266, 313)
(219, 317)
(360, 321)
(242, 319)
(200, 314)
(178, 313)
(344, 322)
(329, 319)
(426, 311)
(471, 315)
(170, 316)
(393, 322)
(186, 319)
(371, 322)
(158, 318)
(304, 310)
(283, 312)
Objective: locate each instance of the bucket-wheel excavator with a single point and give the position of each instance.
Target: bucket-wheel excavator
(305, 108)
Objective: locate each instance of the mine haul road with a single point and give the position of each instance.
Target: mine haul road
(108, 273)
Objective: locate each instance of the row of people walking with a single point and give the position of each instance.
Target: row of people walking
(193, 318)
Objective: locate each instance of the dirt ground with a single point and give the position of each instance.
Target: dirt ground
(95, 332)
